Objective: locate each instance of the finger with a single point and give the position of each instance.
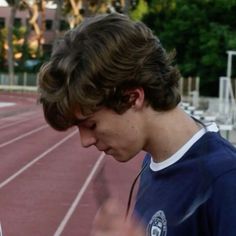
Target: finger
(128, 228)
(110, 221)
(109, 215)
(100, 186)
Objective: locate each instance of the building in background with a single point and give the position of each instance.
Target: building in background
(22, 18)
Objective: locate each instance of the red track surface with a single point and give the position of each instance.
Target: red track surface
(46, 179)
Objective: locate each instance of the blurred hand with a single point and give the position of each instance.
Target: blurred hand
(110, 221)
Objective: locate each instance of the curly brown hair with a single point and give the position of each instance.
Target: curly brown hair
(94, 65)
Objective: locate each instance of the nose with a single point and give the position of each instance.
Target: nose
(87, 137)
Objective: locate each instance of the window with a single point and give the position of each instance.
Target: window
(48, 24)
(2, 22)
(64, 25)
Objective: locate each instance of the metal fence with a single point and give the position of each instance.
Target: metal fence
(22, 81)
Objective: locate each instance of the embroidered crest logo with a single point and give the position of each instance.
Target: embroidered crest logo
(157, 225)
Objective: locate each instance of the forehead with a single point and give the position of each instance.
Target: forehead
(80, 117)
(99, 114)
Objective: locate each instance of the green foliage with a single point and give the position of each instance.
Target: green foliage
(2, 50)
(201, 31)
(162, 5)
(140, 10)
(18, 32)
(18, 35)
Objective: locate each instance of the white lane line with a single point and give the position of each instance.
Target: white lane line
(12, 177)
(17, 122)
(7, 104)
(1, 234)
(23, 136)
(78, 197)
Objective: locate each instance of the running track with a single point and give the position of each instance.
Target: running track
(49, 185)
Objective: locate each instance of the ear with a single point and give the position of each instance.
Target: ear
(136, 97)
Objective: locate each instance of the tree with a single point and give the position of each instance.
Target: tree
(3, 33)
(200, 31)
(139, 10)
(14, 5)
(75, 10)
(35, 8)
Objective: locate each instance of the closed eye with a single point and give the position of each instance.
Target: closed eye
(86, 123)
(92, 127)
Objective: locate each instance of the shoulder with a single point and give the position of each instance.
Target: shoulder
(217, 155)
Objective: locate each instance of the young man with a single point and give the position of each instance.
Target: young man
(112, 78)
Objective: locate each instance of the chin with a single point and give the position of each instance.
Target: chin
(122, 159)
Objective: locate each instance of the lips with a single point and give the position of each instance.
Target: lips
(103, 149)
(108, 151)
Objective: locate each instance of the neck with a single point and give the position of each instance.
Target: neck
(168, 132)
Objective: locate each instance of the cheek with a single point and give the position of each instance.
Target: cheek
(119, 133)
(130, 137)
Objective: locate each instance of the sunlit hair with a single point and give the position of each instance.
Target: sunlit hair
(97, 62)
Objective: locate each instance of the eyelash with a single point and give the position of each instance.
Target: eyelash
(92, 127)
(89, 125)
